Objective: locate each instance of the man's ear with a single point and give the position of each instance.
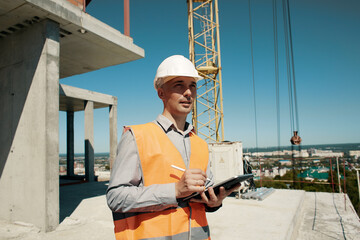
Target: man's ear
(161, 93)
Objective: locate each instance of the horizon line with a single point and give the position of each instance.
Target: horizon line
(322, 144)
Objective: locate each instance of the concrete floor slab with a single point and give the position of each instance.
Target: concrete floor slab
(328, 216)
(273, 218)
(92, 219)
(285, 214)
(72, 196)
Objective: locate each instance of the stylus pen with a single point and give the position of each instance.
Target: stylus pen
(181, 169)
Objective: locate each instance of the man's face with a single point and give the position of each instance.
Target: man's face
(178, 95)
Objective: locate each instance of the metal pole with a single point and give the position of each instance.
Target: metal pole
(260, 170)
(127, 18)
(332, 179)
(358, 181)
(344, 184)
(220, 119)
(293, 163)
(338, 174)
(192, 56)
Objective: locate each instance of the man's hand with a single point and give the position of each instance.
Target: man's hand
(193, 180)
(215, 200)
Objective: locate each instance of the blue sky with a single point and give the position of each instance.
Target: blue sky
(326, 44)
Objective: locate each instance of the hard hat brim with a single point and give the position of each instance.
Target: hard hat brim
(171, 77)
(175, 66)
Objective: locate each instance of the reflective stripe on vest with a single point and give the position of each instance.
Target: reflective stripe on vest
(157, 153)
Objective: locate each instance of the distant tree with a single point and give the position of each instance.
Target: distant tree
(277, 177)
(268, 182)
(352, 190)
(310, 188)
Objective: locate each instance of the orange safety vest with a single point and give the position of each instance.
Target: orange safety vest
(157, 153)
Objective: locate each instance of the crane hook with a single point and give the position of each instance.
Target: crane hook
(296, 139)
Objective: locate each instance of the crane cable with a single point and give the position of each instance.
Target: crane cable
(294, 115)
(276, 60)
(253, 81)
(288, 72)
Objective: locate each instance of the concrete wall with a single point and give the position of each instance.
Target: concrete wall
(29, 126)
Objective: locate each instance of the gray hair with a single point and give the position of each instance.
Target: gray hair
(159, 82)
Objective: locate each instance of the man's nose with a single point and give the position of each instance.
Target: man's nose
(187, 92)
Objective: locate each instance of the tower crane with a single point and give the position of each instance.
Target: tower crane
(204, 51)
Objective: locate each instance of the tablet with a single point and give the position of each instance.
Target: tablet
(227, 184)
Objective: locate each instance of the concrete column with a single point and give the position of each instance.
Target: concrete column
(70, 143)
(89, 141)
(29, 126)
(113, 132)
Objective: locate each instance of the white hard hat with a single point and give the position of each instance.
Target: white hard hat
(175, 66)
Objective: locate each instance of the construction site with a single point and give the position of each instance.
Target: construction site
(50, 49)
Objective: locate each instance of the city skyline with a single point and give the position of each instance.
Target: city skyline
(326, 56)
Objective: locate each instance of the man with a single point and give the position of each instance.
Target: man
(145, 192)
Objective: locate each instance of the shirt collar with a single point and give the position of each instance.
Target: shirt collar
(167, 125)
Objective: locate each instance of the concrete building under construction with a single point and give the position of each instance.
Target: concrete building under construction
(40, 43)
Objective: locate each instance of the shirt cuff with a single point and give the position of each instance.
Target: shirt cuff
(211, 209)
(168, 195)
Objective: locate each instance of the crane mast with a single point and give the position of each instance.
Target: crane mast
(204, 51)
